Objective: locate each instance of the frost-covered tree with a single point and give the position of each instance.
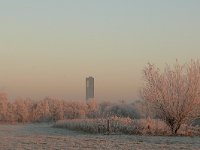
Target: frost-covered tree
(40, 111)
(10, 117)
(21, 110)
(29, 103)
(173, 94)
(3, 106)
(45, 110)
(75, 109)
(92, 108)
(55, 109)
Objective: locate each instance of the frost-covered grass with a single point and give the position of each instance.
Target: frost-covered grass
(43, 136)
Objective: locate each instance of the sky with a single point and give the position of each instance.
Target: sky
(49, 47)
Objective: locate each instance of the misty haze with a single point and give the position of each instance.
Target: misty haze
(116, 75)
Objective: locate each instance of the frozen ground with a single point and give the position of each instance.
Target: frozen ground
(43, 136)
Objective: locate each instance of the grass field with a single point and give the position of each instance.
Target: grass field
(43, 136)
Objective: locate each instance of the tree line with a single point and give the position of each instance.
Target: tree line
(51, 109)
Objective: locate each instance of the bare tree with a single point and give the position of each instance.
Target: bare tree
(174, 94)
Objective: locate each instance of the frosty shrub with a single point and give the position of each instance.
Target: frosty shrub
(121, 109)
(117, 125)
(174, 94)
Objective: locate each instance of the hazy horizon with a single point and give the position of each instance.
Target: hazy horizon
(48, 48)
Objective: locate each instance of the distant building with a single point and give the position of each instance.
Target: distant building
(89, 88)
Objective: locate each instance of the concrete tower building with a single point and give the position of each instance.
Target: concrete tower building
(89, 88)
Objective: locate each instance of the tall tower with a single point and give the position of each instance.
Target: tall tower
(89, 88)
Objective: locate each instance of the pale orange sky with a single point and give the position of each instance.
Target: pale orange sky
(48, 48)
